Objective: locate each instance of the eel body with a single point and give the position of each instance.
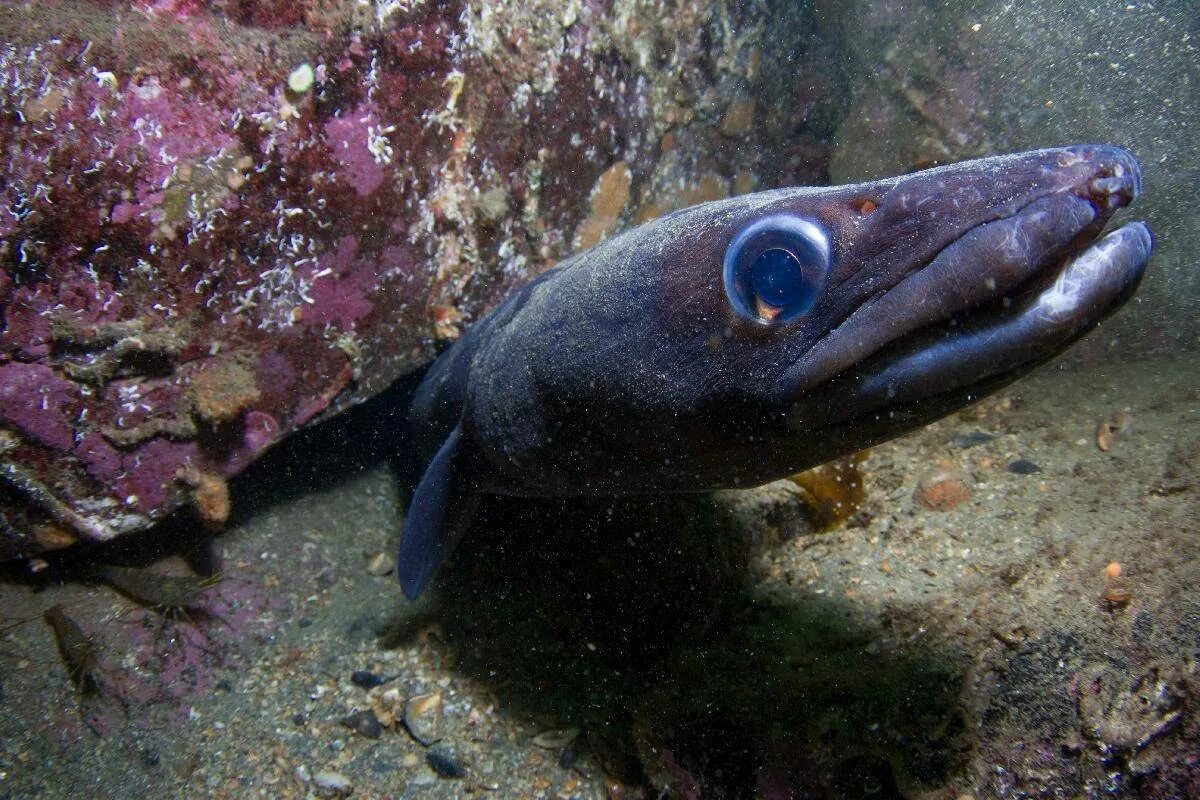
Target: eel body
(743, 340)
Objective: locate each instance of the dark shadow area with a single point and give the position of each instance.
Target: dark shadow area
(329, 453)
(635, 620)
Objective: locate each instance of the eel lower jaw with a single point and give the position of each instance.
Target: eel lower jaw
(948, 364)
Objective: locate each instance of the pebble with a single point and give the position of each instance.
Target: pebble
(1023, 466)
(332, 784)
(380, 564)
(1118, 591)
(942, 491)
(423, 717)
(388, 706)
(364, 723)
(366, 679)
(971, 439)
(442, 761)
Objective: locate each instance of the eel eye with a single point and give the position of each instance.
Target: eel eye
(776, 268)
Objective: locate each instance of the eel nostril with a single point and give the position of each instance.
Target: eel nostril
(1111, 192)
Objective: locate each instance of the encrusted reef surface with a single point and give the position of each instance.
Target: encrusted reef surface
(223, 221)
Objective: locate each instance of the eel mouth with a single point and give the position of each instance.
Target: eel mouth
(1006, 296)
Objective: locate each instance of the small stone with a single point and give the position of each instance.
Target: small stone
(942, 491)
(302, 774)
(443, 761)
(364, 723)
(380, 564)
(387, 706)
(423, 717)
(366, 679)
(1118, 592)
(971, 439)
(332, 784)
(1024, 466)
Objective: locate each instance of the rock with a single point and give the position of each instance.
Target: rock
(942, 491)
(380, 563)
(366, 679)
(444, 762)
(364, 723)
(186, 277)
(972, 438)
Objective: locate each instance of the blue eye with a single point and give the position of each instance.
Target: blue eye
(776, 268)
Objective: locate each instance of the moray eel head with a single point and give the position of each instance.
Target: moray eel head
(743, 340)
(1023, 270)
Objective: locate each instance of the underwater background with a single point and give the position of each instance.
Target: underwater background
(234, 233)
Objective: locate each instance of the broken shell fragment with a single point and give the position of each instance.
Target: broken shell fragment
(1112, 426)
(555, 738)
(423, 717)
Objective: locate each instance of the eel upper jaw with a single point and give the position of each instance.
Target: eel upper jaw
(969, 325)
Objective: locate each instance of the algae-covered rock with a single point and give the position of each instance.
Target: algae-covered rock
(228, 221)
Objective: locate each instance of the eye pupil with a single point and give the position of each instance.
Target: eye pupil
(778, 278)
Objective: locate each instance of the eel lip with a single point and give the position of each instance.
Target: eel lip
(1000, 256)
(1006, 340)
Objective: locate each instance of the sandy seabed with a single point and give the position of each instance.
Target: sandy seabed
(1038, 638)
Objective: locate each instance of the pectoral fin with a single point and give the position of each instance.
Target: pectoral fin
(441, 509)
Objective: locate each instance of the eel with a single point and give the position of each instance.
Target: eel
(743, 340)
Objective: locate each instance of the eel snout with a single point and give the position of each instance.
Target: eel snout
(1009, 294)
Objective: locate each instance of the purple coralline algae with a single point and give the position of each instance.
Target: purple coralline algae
(199, 255)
